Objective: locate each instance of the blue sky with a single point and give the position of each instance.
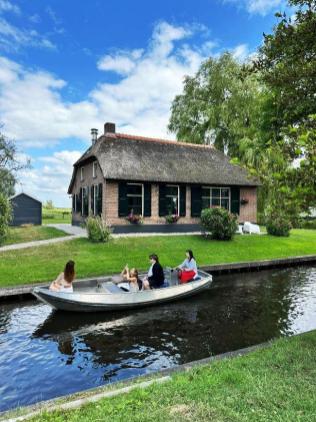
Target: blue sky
(67, 66)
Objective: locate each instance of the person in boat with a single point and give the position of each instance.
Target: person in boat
(187, 271)
(132, 277)
(155, 277)
(63, 282)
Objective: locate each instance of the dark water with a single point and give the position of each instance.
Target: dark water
(44, 354)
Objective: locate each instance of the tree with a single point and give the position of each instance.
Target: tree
(49, 204)
(219, 105)
(5, 216)
(287, 63)
(9, 166)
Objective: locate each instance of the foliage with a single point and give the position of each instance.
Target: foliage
(219, 222)
(5, 217)
(287, 63)
(134, 218)
(98, 230)
(9, 166)
(94, 259)
(171, 218)
(49, 204)
(277, 223)
(219, 105)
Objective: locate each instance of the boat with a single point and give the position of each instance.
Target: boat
(105, 294)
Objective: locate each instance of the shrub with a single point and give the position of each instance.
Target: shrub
(309, 224)
(278, 224)
(5, 217)
(98, 230)
(221, 224)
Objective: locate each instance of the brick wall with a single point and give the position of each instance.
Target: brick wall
(111, 206)
(248, 212)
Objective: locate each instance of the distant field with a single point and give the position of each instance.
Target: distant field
(56, 215)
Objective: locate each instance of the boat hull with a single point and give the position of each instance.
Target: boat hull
(100, 302)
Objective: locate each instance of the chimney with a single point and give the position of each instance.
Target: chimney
(94, 135)
(109, 127)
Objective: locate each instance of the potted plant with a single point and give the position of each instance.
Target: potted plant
(172, 218)
(134, 218)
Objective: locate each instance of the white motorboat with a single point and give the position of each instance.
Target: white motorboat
(103, 294)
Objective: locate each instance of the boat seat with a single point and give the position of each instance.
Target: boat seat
(110, 287)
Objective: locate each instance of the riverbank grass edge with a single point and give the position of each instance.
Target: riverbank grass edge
(274, 383)
(44, 263)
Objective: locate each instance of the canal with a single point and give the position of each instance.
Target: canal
(45, 354)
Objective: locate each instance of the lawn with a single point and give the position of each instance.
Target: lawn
(56, 215)
(273, 384)
(30, 233)
(45, 262)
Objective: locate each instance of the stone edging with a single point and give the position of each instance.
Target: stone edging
(26, 289)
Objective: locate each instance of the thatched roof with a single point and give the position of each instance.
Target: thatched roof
(126, 157)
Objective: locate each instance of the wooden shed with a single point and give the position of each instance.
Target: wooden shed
(26, 210)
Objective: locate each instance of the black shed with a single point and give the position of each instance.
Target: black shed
(25, 210)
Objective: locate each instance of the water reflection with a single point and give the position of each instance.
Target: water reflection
(44, 353)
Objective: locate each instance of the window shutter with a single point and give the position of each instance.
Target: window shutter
(196, 201)
(122, 199)
(162, 201)
(73, 203)
(235, 199)
(92, 198)
(147, 200)
(99, 199)
(183, 193)
(81, 201)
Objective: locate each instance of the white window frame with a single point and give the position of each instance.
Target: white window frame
(131, 195)
(220, 195)
(94, 169)
(172, 196)
(81, 174)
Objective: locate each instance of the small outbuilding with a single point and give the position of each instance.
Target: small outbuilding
(25, 210)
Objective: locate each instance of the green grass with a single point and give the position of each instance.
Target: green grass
(45, 262)
(56, 215)
(31, 233)
(273, 384)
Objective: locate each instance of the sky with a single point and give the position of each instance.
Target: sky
(69, 66)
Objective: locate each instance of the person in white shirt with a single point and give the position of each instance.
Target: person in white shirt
(63, 282)
(188, 269)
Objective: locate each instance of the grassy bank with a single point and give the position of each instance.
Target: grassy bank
(273, 384)
(31, 233)
(44, 263)
(56, 215)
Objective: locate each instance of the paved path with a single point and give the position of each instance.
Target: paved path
(69, 229)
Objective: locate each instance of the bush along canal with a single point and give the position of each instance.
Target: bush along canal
(45, 354)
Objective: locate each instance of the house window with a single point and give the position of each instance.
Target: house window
(172, 199)
(135, 198)
(94, 169)
(215, 197)
(81, 173)
(74, 202)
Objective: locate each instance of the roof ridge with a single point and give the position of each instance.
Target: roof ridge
(160, 140)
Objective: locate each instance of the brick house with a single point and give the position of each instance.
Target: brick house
(154, 178)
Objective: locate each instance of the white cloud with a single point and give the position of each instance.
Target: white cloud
(35, 113)
(122, 62)
(241, 52)
(7, 6)
(261, 7)
(51, 180)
